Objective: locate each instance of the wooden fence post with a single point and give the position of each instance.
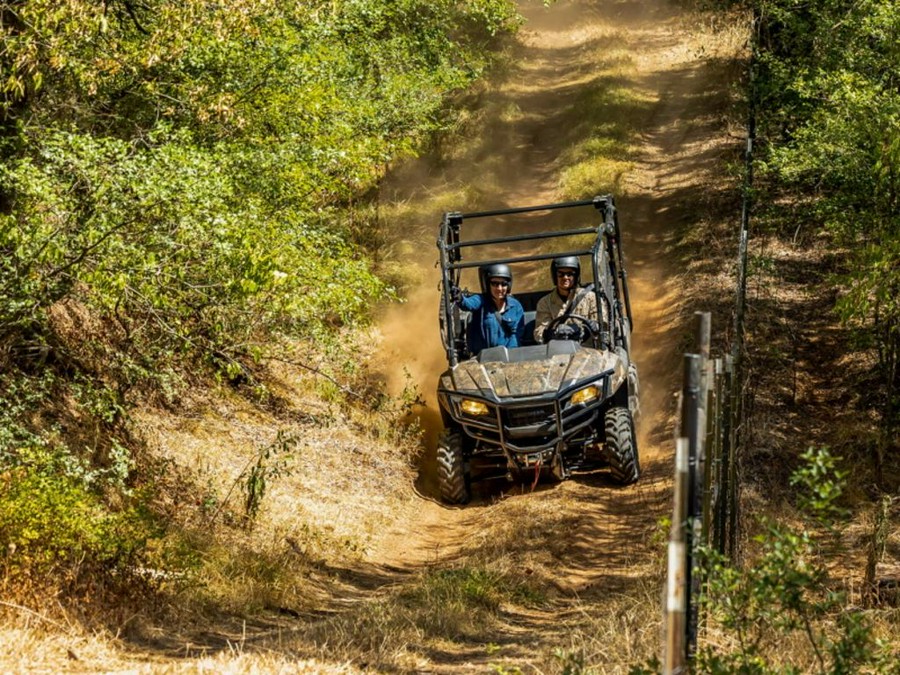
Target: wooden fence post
(674, 650)
(717, 436)
(690, 429)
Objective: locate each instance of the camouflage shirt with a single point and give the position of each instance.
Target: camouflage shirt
(551, 306)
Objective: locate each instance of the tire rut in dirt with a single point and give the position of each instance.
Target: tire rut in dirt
(452, 479)
(621, 446)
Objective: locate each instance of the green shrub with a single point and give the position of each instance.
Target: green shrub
(50, 524)
(186, 178)
(782, 612)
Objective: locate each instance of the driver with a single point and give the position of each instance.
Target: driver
(568, 298)
(497, 318)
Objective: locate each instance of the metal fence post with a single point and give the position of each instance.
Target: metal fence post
(736, 412)
(703, 334)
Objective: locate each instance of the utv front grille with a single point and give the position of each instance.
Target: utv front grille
(524, 417)
(535, 427)
(531, 428)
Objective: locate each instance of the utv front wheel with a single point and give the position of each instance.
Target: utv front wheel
(451, 469)
(621, 446)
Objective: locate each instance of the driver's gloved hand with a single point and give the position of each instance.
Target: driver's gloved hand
(594, 326)
(566, 332)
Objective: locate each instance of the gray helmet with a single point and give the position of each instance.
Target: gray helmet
(570, 261)
(487, 272)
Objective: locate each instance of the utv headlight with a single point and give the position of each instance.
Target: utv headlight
(475, 408)
(586, 395)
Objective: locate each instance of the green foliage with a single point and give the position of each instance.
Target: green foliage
(500, 669)
(184, 167)
(57, 522)
(159, 240)
(471, 588)
(572, 662)
(176, 198)
(24, 443)
(820, 485)
(828, 106)
(465, 600)
(19, 399)
(785, 593)
(51, 524)
(272, 461)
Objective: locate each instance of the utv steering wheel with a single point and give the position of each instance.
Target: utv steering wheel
(586, 329)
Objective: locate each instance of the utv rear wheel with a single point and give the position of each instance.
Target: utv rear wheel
(451, 470)
(621, 446)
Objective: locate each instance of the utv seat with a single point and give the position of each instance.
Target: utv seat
(528, 335)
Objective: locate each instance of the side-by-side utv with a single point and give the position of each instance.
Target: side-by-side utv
(565, 404)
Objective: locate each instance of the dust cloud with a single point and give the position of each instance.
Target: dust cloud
(412, 357)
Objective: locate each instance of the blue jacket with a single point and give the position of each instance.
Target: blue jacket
(484, 330)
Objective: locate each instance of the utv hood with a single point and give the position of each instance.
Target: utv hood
(530, 371)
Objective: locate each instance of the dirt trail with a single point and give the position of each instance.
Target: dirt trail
(592, 543)
(561, 54)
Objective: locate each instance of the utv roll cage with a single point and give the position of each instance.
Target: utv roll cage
(605, 253)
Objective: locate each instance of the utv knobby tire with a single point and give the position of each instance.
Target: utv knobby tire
(451, 468)
(621, 446)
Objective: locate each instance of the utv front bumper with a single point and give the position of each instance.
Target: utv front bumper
(532, 427)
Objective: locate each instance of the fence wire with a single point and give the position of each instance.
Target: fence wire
(710, 438)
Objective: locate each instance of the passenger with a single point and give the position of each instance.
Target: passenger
(567, 299)
(497, 318)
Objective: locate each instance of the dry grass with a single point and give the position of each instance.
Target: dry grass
(796, 346)
(32, 649)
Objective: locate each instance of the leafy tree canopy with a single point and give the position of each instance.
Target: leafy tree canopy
(182, 166)
(827, 94)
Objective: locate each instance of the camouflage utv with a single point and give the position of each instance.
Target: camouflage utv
(540, 409)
